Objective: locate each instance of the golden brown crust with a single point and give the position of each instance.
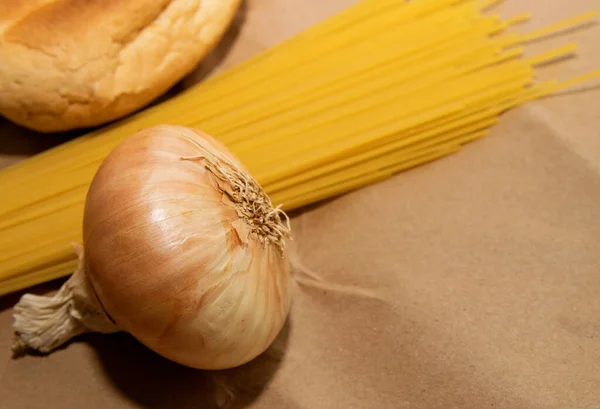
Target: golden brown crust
(68, 64)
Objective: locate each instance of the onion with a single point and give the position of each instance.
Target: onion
(182, 249)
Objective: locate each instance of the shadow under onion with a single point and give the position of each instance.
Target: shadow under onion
(153, 382)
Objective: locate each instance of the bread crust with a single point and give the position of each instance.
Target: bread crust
(67, 64)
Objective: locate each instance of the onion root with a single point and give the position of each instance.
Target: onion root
(45, 323)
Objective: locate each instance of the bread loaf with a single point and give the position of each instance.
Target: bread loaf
(67, 64)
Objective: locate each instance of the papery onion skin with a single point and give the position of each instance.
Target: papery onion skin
(166, 257)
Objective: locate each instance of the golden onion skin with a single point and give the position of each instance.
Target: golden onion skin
(169, 260)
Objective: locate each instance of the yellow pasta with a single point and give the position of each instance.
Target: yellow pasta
(381, 87)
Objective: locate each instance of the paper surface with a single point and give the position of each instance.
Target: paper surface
(472, 282)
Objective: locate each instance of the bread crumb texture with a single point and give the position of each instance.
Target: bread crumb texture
(67, 64)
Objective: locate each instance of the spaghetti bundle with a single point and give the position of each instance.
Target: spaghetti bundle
(381, 87)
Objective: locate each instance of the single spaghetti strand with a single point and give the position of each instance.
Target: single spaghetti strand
(560, 26)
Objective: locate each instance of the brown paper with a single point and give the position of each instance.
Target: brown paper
(472, 282)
